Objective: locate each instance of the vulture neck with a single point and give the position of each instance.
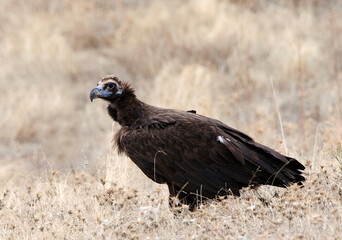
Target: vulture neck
(127, 109)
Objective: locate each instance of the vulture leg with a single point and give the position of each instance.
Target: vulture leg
(178, 197)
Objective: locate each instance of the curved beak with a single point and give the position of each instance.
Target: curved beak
(98, 92)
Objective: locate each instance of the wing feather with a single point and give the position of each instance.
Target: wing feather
(187, 149)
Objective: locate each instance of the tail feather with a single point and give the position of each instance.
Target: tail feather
(283, 174)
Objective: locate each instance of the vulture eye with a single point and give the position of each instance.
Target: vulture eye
(110, 85)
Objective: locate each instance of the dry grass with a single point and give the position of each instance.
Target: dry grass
(59, 176)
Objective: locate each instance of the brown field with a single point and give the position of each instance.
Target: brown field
(60, 178)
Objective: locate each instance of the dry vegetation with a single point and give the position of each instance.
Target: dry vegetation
(59, 176)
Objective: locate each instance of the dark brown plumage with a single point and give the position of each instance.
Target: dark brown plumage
(193, 154)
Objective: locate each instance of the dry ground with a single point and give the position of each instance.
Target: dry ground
(60, 177)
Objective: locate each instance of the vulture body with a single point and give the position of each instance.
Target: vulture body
(196, 156)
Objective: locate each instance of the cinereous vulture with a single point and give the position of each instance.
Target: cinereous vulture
(196, 156)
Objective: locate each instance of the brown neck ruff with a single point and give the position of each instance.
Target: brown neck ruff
(127, 108)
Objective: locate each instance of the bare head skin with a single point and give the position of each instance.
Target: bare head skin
(108, 88)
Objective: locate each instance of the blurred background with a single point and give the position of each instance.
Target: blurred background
(217, 57)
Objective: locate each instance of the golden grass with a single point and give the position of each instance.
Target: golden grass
(60, 177)
(81, 206)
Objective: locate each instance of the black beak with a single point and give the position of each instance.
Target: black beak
(98, 92)
(94, 94)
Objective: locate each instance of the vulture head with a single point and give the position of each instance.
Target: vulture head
(109, 88)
